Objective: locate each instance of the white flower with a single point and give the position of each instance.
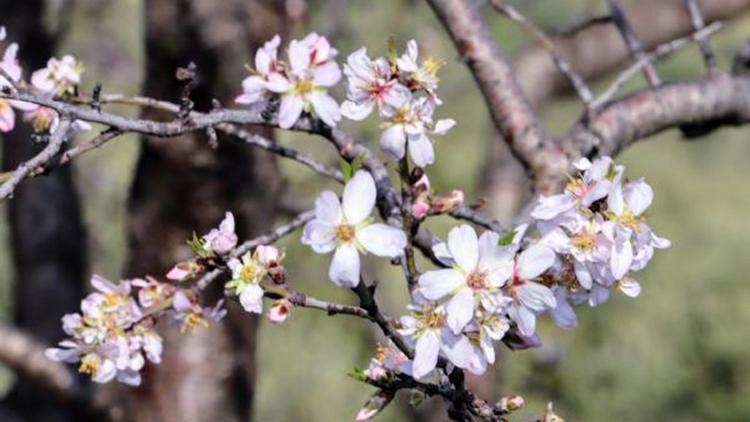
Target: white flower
(59, 77)
(223, 239)
(266, 63)
(412, 123)
(481, 268)
(530, 298)
(423, 76)
(312, 69)
(346, 228)
(371, 85)
(427, 329)
(563, 314)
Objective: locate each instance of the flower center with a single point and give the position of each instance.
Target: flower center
(304, 87)
(433, 319)
(577, 187)
(584, 242)
(89, 365)
(192, 321)
(249, 272)
(630, 221)
(477, 280)
(433, 66)
(345, 232)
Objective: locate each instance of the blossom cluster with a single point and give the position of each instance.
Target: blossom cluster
(403, 90)
(59, 79)
(585, 241)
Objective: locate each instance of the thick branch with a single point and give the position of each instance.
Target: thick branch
(506, 101)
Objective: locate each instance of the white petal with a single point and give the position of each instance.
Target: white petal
(393, 141)
(583, 275)
(359, 197)
(299, 56)
(421, 150)
(290, 110)
(536, 297)
(435, 284)
(457, 348)
(534, 261)
(328, 208)
(549, 207)
(615, 200)
(382, 240)
(460, 309)
(320, 236)
(328, 74)
(325, 107)
(354, 111)
(251, 299)
(629, 287)
(524, 318)
(598, 295)
(621, 258)
(563, 314)
(426, 353)
(442, 126)
(443, 254)
(278, 83)
(344, 269)
(464, 247)
(638, 195)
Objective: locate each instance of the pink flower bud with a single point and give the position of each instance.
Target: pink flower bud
(366, 414)
(423, 184)
(419, 210)
(267, 255)
(182, 271)
(447, 203)
(512, 403)
(279, 312)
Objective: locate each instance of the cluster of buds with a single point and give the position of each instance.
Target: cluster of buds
(249, 271)
(59, 79)
(425, 203)
(403, 91)
(301, 81)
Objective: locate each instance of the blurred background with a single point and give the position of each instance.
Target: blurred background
(678, 352)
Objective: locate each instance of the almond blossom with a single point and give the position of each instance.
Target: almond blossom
(60, 77)
(371, 84)
(530, 298)
(223, 239)
(479, 269)
(247, 274)
(422, 76)
(11, 67)
(312, 69)
(347, 228)
(255, 86)
(409, 127)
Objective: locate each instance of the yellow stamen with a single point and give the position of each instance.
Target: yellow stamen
(584, 242)
(192, 321)
(433, 66)
(629, 220)
(345, 232)
(303, 87)
(89, 365)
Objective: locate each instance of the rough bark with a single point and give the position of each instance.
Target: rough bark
(185, 185)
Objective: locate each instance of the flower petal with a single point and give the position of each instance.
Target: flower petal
(436, 284)
(426, 353)
(534, 261)
(393, 142)
(354, 111)
(320, 236)
(382, 240)
(359, 197)
(460, 310)
(344, 271)
(421, 150)
(464, 247)
(290, 110)
(251, 299)
(325, 107)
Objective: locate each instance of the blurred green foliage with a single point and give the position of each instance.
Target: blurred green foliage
(679, 352)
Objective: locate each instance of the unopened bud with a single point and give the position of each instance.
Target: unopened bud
(183, 271)
(280, 311)
(447, 203)
(420, 210)
(512, 403)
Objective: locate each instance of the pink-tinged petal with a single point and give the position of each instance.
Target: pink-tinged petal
(393, 142)
(630, 287)
(382, 240)
(320, 236)
(327, 75)
(354, 111)
(443, 126)
(344, 271)
(7, 117)
(621, 257)
(534, 261)
(426, 352)
(41, 80)
(279, 312)
(421, 150)
(20, 105)
(290, 110)
(536, 297)
(278, 83)
(460, 310)
(359, 197)
(227, 224)
(639, 196)
(434, 285)
(524, 318)
(457, 348)
(464, 247)
(299, 56)
(328, 208)
(179, 272)
(325, 107)
(251, 299)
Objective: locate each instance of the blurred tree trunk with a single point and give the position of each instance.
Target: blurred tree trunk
(183, 185)
(46, 235)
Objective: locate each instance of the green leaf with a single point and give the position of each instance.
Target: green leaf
(357, 374)
(197, 245)
(392, 51)
(347, 169)
(508, 238)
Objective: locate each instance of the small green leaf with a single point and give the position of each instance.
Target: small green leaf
(508, 238)
(392, 51)
(347, 169)
(357, 374)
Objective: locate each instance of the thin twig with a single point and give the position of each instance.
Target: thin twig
(660, 51)
(575, 79)
(56, 141)
(633, 43)
(698, 24)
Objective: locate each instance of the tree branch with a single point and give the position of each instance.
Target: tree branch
(634, 44)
